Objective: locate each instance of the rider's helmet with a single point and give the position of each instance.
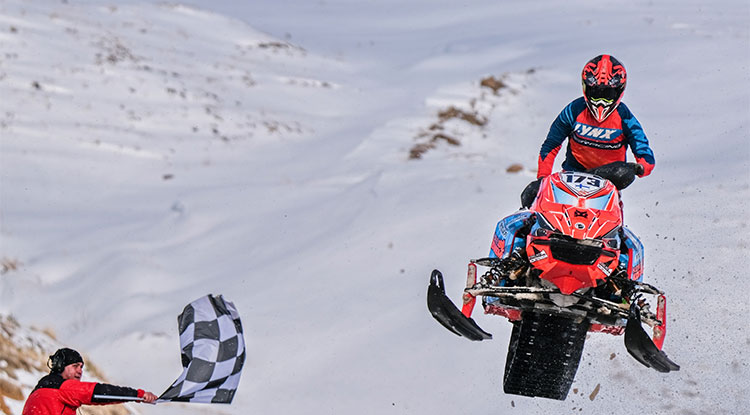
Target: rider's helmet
(603, 81)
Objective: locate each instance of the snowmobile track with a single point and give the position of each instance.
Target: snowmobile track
(543, 355)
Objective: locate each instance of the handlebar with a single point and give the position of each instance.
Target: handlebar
(620, 173)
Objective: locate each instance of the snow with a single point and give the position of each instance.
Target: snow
(151, 153)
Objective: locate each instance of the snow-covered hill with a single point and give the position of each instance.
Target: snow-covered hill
(151, 153)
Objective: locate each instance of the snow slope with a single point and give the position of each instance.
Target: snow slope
(151, 153)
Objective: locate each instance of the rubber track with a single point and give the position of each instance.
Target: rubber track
(543, 356)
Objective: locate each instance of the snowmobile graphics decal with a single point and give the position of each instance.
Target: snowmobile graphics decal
(634, 258)
(538, 256)
(504, 238)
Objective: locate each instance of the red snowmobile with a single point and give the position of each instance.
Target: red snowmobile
(562, 268)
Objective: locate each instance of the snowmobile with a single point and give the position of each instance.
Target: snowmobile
(562, 266)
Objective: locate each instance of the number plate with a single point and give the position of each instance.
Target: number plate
(582, 184)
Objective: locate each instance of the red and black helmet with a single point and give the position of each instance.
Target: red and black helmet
(604, 81)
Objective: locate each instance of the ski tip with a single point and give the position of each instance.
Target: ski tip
(447, 314)
(644, 350)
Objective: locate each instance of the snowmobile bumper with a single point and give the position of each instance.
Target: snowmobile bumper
(446, 313)
(642, 348)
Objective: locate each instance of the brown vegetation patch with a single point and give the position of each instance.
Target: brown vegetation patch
(10, 390)
(14, 357)
(9, 264)
(466, 119)
(4, 407)
(114, 51)
(418, 150)
(94, 370)
(436, 131)
(274, 45)
(277, 46)
(470, 117)
(448, 139)
(514, 168)
(493, 83)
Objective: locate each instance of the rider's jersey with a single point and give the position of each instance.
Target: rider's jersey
(592, 143)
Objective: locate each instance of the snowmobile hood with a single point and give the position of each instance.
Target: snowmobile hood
(579, 205)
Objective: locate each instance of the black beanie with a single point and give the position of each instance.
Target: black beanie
(64, 357)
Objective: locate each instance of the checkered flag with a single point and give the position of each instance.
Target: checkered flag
(213, 352)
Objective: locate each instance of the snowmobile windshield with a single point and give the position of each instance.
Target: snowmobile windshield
(563, 197)
(598, 203)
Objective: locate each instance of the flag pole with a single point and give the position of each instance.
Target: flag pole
(120, 398)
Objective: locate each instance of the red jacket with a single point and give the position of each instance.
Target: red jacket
(55, 396)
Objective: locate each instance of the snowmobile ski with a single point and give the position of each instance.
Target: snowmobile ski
(642, 348)
(447, 314)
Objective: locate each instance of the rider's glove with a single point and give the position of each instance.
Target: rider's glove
(647, 167)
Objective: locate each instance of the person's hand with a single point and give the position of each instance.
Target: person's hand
(647, 167)
(149, 397)
(639, 169)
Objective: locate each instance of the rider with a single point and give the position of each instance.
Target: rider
(599, 128)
